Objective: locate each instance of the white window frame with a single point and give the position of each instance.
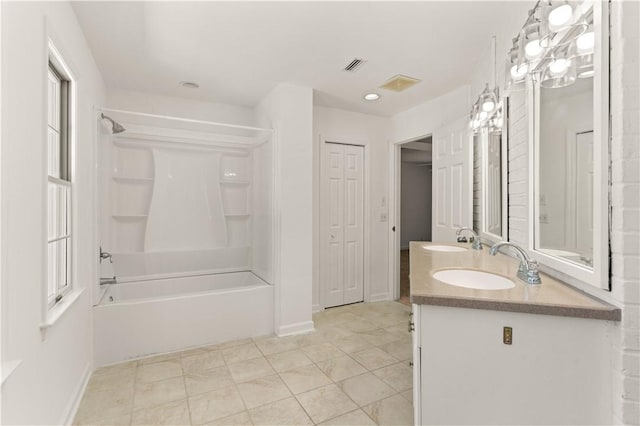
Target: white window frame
(60, 111)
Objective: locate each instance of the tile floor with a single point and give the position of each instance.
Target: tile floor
(353, 370)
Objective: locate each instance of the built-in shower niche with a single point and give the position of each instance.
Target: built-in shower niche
(144, 210)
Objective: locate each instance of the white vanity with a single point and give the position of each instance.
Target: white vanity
(519, 355)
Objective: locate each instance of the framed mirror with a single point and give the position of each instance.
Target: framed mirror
(490, 176)
(569, 187)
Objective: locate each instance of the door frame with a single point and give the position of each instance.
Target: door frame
(336, 139)
(395, 186)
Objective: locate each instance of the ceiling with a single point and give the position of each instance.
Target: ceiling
(238, 51)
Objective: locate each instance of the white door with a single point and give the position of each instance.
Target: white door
(584, 193)
(341, 224)
(452, 188)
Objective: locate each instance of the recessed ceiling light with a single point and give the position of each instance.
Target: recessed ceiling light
(371, 97)
(189, 84)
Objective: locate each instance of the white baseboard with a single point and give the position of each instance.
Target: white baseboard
(316, 308)
(379, 297)
(74, 404)
(296, 328)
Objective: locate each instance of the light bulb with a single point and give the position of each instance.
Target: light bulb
(517, 72)
(560, 16)
(488, 106)
(559, 67)
(500, 122)
(586, 42)
(483, 115)
(533, 49)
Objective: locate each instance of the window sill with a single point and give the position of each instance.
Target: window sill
(8, 368)
(55, 313)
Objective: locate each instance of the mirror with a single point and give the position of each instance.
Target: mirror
(565, 172)
(490, 206)
(569, 157)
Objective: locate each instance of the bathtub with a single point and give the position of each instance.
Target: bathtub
(142, 318)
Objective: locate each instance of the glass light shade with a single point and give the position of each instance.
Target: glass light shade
(482, 116)
(564, 74)
(487, 100)
(586, 43)
(559, 15)
(529, 39)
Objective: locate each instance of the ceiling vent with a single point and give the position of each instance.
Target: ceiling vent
(354, 65)
(399, 83)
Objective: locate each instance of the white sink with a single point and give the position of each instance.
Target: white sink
(470, 278)
(451, 249)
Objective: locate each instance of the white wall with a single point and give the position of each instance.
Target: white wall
(288, 109)
(180, 107)
(47, 384)
(373, 132)
(415, 209)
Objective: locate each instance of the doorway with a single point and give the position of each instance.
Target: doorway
(342, 224)
(415, 203)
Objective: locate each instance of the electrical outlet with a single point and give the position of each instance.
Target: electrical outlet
(544, 218)
(507, 335)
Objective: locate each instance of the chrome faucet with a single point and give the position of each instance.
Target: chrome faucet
(528, 269)
(105, 255)
(476, 244)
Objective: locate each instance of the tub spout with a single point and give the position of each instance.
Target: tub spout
(105, 281)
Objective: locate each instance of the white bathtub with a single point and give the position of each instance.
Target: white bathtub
(138, 319)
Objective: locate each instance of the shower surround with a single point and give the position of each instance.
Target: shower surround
(190, 211)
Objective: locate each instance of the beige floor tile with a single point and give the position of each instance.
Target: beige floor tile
(399, 329)
(160, 392)
(287, 360)
(274, 345)
(394, 411)
(373, 358)
(366, 388)
(123, 420)
(202, 361)
(408, 395)
(285, 412)
(358, 325)
(250, 369)
(334, 332)
(325, 403)
(127, 365)
(400, 350)
(389, 319)
(192, 351)
(209, 380)
(216, 404)
(159, 358)
(341, 368)
(240, 419)
(104, 404)
(354, 418)
(305, 378)
(262, 391)
(399, 376)
(227, 345)
(241, 353)
(117, 379)
(313, 338)
(322, 352)
(148, 373)
(172, 413)
(379, 337)
(351, 344)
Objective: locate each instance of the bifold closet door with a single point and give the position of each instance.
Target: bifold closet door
(341, 222)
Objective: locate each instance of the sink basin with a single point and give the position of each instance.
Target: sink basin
(470, 278)
(451, 249)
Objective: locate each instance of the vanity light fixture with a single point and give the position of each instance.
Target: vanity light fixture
(371, 96)
(554, 46)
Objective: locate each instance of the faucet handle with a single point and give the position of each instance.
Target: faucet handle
(462, 239)
(532, 273)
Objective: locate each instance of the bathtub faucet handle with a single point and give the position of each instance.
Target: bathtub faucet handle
(105, 255)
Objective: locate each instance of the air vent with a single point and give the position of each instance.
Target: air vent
(355, 64)
(399, 83)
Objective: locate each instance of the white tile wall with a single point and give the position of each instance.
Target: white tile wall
(625, 200)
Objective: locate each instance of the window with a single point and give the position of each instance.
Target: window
(58, 185)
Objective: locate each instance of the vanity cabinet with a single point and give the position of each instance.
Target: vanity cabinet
(555, 369)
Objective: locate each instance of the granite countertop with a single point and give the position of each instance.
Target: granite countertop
(552, 297)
